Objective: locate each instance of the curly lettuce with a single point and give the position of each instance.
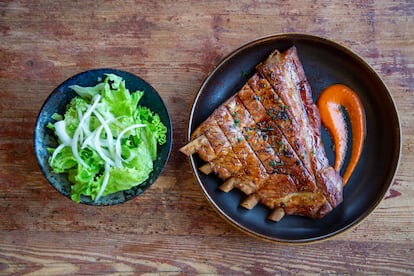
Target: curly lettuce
(107, 142)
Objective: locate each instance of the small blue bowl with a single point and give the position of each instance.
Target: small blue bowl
(57, 102)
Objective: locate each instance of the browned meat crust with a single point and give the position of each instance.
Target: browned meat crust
(265, 141)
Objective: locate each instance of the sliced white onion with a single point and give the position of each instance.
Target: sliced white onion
(79, 131)
(104, 182)
(62, 134)
(118, 149)
(56, 151)
(102, 152)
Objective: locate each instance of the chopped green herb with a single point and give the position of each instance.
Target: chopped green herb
(271, 111)
(267, 128)
(273, 163)
(236, 122)
(282, 114)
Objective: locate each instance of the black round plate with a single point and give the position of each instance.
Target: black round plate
(56, 103)
(325, 63)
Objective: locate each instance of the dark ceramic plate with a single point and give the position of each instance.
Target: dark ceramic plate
(325, 63)
(57, 101)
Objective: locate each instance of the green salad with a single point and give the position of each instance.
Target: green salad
(107, 142)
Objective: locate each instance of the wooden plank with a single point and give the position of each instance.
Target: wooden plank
(171, 228)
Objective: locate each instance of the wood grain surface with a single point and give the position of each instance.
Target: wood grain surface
(171, 228)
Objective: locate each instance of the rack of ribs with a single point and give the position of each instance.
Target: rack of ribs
(266, 141)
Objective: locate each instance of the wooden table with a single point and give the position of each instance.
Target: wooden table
(171, 228)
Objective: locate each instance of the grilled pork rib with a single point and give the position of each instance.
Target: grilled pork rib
(265, 140)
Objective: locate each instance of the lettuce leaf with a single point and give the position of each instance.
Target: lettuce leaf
(107, 142)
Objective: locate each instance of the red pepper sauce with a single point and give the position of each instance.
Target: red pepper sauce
(329, 104)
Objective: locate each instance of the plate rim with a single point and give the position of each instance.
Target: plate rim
(321, 40)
